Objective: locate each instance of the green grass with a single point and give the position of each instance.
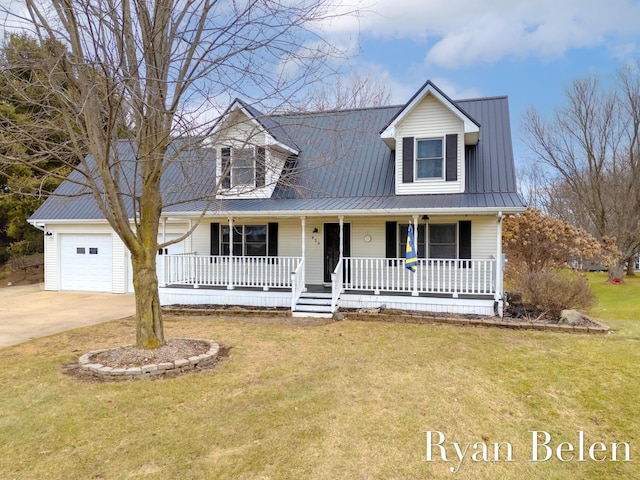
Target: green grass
(620, 302)
(348, 400)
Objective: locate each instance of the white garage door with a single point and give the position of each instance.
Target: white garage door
(86, 262)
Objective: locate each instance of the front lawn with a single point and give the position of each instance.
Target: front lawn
(340, 401)
(616, 302)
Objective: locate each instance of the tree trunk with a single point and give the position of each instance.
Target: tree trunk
(149, 328)
(616, 271)
(631, 270)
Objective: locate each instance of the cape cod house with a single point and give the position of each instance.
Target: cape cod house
(312, 213)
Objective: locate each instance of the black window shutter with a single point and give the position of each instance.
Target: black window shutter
(272, 233)
(215, 239)
(260, 167)
(391, 240)
(452, 157)
(225, 165)
(407, 160)
(346, 240)
(464, 237)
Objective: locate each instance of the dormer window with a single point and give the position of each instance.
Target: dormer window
(243, 167)
(429, 159)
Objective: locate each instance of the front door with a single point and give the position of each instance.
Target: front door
(332, 246)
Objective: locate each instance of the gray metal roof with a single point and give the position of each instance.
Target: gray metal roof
(489, 165)
(343, 165)
(466, 202)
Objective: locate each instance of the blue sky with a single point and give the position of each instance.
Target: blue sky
(529, 50)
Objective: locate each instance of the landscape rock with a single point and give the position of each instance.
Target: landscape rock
(571, 317)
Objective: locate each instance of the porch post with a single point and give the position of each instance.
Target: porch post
(303, 223)
(230, 283)
(193, 257)
(416, 238)
(163, 281)
(341, 218)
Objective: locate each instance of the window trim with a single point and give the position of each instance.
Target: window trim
(443, 157)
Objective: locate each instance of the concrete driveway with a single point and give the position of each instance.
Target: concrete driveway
(28, 312)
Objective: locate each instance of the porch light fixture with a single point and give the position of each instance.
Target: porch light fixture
(315, 230)
(48, 234)
(425, 217)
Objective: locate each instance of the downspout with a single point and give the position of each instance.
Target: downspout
(498, 297)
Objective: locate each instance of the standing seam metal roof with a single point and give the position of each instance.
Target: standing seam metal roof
(343, 165)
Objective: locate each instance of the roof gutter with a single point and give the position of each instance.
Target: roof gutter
(355, 213)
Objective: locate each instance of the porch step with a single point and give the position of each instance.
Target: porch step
(312, 304)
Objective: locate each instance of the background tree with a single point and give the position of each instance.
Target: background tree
(147, 71)
(25, 68)
(356, 91)
(592, 146)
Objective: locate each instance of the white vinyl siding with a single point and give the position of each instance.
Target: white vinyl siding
(119, 266)
(51, 261)
(430, 119)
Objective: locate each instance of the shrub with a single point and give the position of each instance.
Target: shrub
(535, 242)
(550, 292)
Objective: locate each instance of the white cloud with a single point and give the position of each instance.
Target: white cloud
(453, 91)
(466, 32)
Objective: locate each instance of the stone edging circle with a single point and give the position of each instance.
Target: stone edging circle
(146, 371)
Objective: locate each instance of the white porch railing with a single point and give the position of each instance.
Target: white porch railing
(337, 284)
(437, 276)
(297, 284)
(230, 272)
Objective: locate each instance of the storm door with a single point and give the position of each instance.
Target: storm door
(332, 246)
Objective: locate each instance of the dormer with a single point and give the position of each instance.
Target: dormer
(429, 135)
(251, 152)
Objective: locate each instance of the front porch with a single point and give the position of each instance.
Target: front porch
(438, 285)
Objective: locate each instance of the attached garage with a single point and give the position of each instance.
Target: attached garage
(86, 262)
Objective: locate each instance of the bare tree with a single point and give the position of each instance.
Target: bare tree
(356, 91)
(147, 71)
(592, 145)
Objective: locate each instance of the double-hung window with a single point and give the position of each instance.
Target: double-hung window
(439, 240)
(429, 159)
(443, 241)
(248, 240)
(243, 167)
